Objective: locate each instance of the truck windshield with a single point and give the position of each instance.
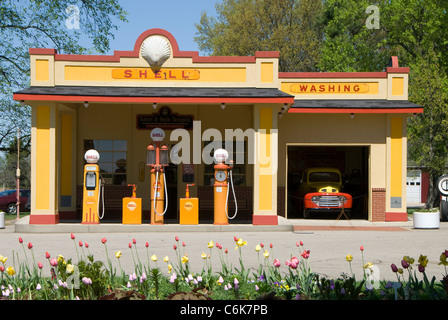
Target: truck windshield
(324, 177)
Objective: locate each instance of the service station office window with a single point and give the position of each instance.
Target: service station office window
(112, 161)
(239, 157)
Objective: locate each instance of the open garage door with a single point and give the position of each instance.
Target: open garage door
(353, 163)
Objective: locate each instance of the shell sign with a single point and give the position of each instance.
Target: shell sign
(162, 74)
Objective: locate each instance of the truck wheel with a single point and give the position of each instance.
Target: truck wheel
(443, 210)
(442, 185)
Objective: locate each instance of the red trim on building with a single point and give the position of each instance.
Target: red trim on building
(396, 216)
(286, 75)
(183, 100)
(44, 219)
(118, 54)
(328, 110)
(271, 220)
(398, 70)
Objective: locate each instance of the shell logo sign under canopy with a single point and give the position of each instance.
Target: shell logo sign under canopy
(162, 74)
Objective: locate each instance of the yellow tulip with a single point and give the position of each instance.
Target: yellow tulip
(266, 254)
(368, 265)
(10, 270)
(210, 244)
(154, 258)
(170, 267)
(3, 259)
(203, 255)
(118, 254)
(166, 259)
(257, 248)
(349, 258)
(185, 259)
(70, 268)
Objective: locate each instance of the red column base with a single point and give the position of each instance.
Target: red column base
(396, 216)
(263, 220)
(44, 218)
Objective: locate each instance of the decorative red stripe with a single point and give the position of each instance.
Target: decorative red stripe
(331, 110)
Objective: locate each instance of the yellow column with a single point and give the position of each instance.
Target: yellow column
(43, 165)
(265, 168)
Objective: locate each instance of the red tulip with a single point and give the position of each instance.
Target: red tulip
(421, 268)
(271, 245)
(130, 245)
(394, 268)
(40, 265)
(86, 244)
(47, 255)
(174, 247)
(104, 240)
(176, 238)
(2, 268)
(404, 264)
(235, 238)
(134, 241)
(362, 248)
(30, 245)
(301, 243)
(146, 244)
(80, 243)
(20, 240)
(183, 243)
(72, 236)
(261, 244)
(226, 251)
(297, 244)
(305, 254)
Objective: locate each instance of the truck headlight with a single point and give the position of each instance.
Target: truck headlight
(342, 200)
(315, 199)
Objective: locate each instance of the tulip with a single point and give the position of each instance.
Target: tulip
(261, 244)
(118, 254)
(270, 245)
(277, 263)
(257, 248)
(3, 259)
(183, 243)
(404, 264)
(235, 238)
(134, 241)
(349, 258)
(166, 259)
(421, 268)
(301, 243)
(53, 262)
(70, 268)
(86, 244)
(2, 269)
(184, 259)
(130, 245)
(154, 258)
(220, 280)
(266, 254)
(394, 268)
(80, 243)
(47, 255)
(72, 236)
(20, 240)
(203, 255)
(146, 244)
(210, 244)
(174, 247)
(235, 281)
(30, 245)
(38, 287)
(103, 241)
(176, 238)
(170, 267)
(10, 270)
(305, 254)
(361, 248)
(40, 265)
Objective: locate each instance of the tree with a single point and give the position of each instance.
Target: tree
(49, 24)
(245, 26)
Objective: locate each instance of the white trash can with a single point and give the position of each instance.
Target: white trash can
(2, 220)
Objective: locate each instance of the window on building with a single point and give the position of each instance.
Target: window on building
(239, 157)
(112, 161)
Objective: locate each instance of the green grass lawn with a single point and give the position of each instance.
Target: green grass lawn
(14, 216)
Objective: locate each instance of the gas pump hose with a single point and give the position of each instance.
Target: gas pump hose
(234, 198)
(100, 194)
(166, 194)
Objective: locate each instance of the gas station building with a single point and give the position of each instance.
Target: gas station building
(354, 121)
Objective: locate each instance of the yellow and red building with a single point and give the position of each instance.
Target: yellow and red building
(355, 121)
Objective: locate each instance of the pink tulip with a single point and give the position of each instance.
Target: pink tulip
(305, 254)
(174, 247)
(53, 262)
(235, 238)
(2, 269)
(183, 243)
(301, 243)
(20, 240)
(47, 255)
(40, 265)
(72, 236)
(104, 240)
(277, 263)
(86, 244)
(80, 243)
(30, 245)
(176, 238)
(362, 248)
(130, 245)
(134, 241)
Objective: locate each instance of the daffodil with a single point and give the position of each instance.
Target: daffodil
(184, 259)
(210, 244)
(423, 260)
(408, 259)
(70, 268)
(61, 258)
(368, 265)
(3, 259)
(349, 258)
(154, 258)
(10, 270)
(118, 254)
(240, 243)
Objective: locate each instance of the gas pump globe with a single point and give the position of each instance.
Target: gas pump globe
(157, 157)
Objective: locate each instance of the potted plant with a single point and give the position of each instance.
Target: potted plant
(426, 218)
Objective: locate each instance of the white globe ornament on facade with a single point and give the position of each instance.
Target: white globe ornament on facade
(155, 50)
(92, 156)
(220, 155)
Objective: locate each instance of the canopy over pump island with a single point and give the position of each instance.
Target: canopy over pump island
(157, 135)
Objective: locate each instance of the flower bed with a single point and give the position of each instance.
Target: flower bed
(88, 279)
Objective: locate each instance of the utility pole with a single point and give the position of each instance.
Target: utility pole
(18, 175)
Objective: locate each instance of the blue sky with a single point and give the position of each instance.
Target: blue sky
(175, 16)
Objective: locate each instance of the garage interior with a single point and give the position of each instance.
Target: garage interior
(352, 161)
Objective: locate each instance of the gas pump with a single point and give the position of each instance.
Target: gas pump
(93, 189)
(223, 174)
(157, 157)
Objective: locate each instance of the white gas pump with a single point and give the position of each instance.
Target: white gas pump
(93, 189)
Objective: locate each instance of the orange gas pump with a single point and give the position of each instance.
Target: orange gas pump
(221, 188)
(93, 188)
(157, 158)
